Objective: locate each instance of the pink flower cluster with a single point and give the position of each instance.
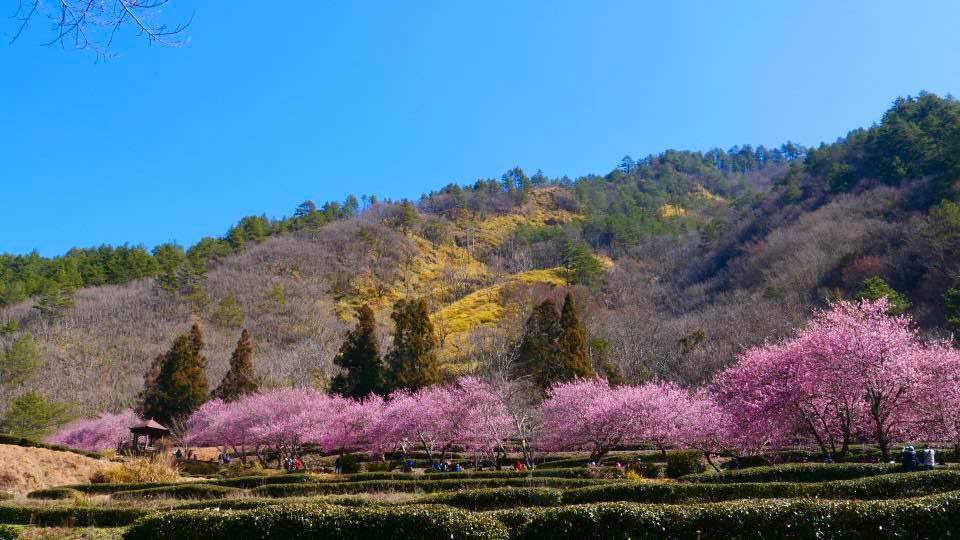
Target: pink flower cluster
(94, 434)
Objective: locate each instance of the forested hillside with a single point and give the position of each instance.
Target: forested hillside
(676, 262)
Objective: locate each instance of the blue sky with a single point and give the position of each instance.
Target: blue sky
(265, 108)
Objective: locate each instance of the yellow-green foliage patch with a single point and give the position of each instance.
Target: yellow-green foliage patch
(485, 307)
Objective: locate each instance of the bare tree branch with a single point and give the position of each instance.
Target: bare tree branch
(93, 24)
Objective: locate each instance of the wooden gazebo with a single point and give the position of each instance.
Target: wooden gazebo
(145, 435)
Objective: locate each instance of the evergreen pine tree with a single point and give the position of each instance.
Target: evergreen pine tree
(240, 379)
(180, 386)
(876, 288)
(33, 416)
(413, 362)
(575, 362)
(19, 361)
(359, 356)
(540, 347)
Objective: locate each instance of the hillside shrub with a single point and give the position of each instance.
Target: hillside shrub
(683, 462)
(320, 522)
(9, 532)
(58, 493)
(70, 516)
(927, 517)
(796, 472)
(182, 491)
(5, 496)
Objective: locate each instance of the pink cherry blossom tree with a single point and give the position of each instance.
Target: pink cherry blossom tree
(104, 432)
(485, 422)
(851, 371)
(591, 415)
(939, 394)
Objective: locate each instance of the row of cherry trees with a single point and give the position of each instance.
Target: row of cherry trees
(853, 373)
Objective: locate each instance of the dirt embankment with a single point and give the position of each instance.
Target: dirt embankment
(25, 469)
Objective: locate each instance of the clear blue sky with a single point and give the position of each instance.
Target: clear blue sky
(266, 107)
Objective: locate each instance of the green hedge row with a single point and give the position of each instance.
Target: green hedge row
(928, 517)
(69, 516)
(248, 482)
(251, 503)
(9, 532)
(53, 494)
(107, 489)
(320, 522)
(891, 486)
(496, 498)
(182, 491)
(412, 486)
(796, 472)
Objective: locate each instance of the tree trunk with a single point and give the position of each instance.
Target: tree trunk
(710, 461)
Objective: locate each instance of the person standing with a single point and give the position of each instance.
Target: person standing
(928, 459)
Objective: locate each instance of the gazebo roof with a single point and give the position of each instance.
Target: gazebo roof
(148, 425)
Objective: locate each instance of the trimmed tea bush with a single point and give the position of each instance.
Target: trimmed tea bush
(321, 522)
(69, 516)
(248, 482)
(350, 463)
(106, 489)
(683, 462)
(183, 491)
(796, 472)
(53, 494)
(413, 486)
(497, 498)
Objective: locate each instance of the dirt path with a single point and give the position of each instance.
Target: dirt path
(25, 469)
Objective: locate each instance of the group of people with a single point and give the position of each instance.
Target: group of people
(446, 466)
(913, 461)
(293, 464)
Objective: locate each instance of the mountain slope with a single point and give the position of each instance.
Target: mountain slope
(677, 262)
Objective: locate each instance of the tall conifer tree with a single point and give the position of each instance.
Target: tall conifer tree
(359, 356)
(575, 360)
(180, 385)
(540, 349)
(240, 379)
(413, 362)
